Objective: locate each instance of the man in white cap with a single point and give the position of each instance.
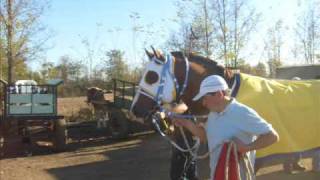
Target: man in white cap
(228, 120)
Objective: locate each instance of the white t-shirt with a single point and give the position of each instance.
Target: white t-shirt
(237, 120)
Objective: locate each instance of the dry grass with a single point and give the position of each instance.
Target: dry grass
(75, 108)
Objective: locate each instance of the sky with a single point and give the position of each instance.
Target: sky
(106, 24)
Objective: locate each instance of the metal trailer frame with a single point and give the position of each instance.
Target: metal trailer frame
(35, 106)
(123, 93)
(120, 123)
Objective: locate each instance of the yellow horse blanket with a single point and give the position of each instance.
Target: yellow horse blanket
(292, 107)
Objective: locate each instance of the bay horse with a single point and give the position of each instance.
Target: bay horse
(183, 76)
(95, 96)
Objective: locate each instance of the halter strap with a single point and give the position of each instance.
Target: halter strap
(166, 70)
(236, 85)
(184, 86)
(145, 93)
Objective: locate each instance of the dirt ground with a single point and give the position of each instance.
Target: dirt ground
(91, 154)
(142, 156)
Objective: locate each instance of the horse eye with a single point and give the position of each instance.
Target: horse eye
(151, 77)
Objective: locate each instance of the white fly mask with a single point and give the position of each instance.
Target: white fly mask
(156, 67)
(159, 83)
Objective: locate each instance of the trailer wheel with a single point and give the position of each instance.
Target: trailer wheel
(60, 135)
(118, 124)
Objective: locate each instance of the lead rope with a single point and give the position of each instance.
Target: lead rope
(193, 151)
(197, 144)
(248, 165)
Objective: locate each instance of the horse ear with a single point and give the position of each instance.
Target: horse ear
(155, 52)
(158, 55)
(149, 54)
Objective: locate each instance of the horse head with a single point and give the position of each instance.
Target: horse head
(169, 78)
(155, 76)
(95, 94)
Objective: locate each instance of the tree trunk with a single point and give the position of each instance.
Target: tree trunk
(9, 41)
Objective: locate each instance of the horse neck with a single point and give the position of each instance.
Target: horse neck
(197, 73)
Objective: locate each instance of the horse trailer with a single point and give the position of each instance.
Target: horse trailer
(29, 110)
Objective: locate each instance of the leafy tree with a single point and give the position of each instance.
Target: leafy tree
(22, 71)
(136, 74)
(273, 64)
(69, 69)
(244, 67)
(48, 71)
(20, 25)
(260, 69)
(116, 66)
(72, 73)
(36, 76)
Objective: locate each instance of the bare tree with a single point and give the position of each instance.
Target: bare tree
(91, 52)
(308, 33)
(273, 44)
(136, 29)
(20, 20)
(196, 30)
(234, 21)
(3, 65)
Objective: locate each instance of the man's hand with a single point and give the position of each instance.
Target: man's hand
(195, 129)
(262, 141)
(242, 147)
(177, 108)
(180, 122)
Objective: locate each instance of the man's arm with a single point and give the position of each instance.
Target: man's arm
(196, 129)
(262, 141)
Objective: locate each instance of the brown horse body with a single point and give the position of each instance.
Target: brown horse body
(95, 96)
(199, 68)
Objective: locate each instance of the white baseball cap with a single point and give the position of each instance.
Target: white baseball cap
(211, 83)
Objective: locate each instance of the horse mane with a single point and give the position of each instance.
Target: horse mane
(202, 60)
(207, 63)
(210, 65)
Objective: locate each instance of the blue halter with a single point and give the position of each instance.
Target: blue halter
(179, 89)
(166, 70)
